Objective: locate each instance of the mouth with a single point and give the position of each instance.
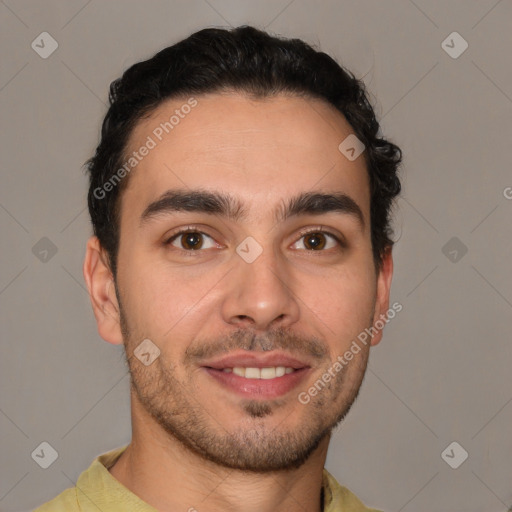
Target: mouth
(269, 375)
(270, 372)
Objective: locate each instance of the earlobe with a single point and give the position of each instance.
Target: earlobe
(101, 287)
(383, 290)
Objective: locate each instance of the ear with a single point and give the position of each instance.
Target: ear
(101, 286)
(383, 288)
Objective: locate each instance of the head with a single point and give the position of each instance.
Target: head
(235, 136)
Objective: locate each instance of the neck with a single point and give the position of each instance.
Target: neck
(168, 476)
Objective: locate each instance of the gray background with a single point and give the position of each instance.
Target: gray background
(440, 374)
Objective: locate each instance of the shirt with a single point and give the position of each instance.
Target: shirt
(96, 489)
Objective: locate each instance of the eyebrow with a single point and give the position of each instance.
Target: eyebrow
(220, 203)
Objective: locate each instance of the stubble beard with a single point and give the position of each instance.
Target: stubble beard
(256, 447)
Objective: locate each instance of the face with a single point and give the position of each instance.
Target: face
(245, 256)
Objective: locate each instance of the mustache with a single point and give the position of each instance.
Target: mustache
(243, 339)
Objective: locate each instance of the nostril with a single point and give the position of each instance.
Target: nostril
(244, 319)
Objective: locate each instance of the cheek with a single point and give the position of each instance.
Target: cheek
(158, 299)
(344, 303)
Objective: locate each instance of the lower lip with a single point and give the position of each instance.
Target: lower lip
(259, 388)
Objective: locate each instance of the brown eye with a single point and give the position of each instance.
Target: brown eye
(317, 241)
(314, 241)
(191, 241)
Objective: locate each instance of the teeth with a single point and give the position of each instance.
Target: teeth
(252, 373)
(239, 371)
(266, 373)
(259, 373)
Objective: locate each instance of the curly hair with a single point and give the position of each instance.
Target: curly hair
(249, 61)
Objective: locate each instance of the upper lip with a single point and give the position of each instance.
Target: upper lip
(256, 360)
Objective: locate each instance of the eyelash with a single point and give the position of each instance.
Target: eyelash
(303, 233)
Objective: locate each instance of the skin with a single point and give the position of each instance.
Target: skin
(186, 426)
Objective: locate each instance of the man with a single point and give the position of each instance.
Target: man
(240, 198)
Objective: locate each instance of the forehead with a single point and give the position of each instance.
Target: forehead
(257, 150)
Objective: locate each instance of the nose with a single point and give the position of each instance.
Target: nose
(261, 294)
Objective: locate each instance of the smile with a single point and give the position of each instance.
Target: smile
(270, 372)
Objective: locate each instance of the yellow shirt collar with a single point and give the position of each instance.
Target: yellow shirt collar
(96, 489)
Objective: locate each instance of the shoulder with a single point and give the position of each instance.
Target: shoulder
(96, 480)
(339, 498)
(66, 501)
